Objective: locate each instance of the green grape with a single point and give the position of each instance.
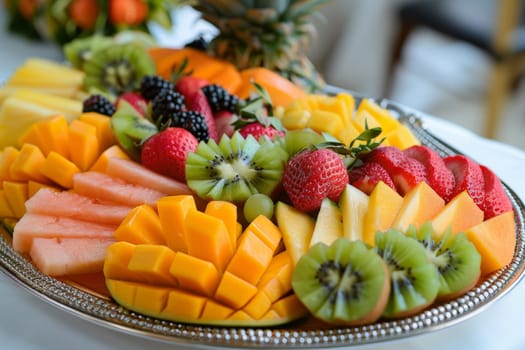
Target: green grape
(256, 205)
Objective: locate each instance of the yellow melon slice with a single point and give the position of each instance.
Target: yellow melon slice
(296, 227)
(384, 204)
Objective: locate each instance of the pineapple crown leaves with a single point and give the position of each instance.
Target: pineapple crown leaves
(358, 147)
(258, 109)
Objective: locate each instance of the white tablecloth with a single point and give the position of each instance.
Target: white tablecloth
(28, 323)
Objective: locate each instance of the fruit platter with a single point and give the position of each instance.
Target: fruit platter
(169, 194)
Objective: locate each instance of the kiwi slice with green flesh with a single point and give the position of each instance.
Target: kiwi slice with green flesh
(131, 129)
(414, 278)
(235, 168)
(80, 50)
(295, 141)
(118, 69)
(457, 260)
(345, 283)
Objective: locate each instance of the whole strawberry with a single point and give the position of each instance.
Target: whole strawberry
(312, 175)
(166, 152)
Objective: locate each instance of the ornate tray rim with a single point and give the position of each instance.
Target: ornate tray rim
(106, 313)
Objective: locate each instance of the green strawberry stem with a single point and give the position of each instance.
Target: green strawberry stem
(353, 153)
(258, 109)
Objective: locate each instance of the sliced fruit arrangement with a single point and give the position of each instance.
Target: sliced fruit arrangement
(359, 217)
(214, 273)
(88, 213)
(277, 199)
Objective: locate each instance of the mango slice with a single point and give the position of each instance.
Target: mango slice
(212, 281)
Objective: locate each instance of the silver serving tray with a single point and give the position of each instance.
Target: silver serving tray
(86, 303)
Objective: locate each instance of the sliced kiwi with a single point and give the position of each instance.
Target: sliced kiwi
(297, 140)
(131, 129)
(235, 168)
(345, 283)
(119, 69)
(457, 260)
(80, 50)
(414, 278)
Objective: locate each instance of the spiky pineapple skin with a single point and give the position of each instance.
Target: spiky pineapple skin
(270, 34)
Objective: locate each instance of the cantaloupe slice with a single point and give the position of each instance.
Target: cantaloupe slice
(102, 123)
(68, 256)
(281, 90)
(5, 208)
(26, 166)
(16, 194)
(212, 283)
(101, 164)
(460, 213)
(7, 157)
(33, 187)
(420, 204)
(495, 240)
(86, 147)
(32, 226)
(69, 204)
(59, 169)
(50, 134)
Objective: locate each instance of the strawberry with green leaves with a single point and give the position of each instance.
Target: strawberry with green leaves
(256, 118)
(312, 175)
(323, 171)
(166, 152)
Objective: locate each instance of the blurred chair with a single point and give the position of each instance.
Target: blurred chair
(494, 26)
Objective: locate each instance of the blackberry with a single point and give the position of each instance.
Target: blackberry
(195, 123)
(99, 104)
(220, 99)
(166, 107)
(151, 85)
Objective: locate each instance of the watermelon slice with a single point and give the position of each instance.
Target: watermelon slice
(68, 256)
(108, 188)
(73, 205)
(135, 173)
(32, 226)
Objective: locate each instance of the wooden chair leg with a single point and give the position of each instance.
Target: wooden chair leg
(497, 97)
